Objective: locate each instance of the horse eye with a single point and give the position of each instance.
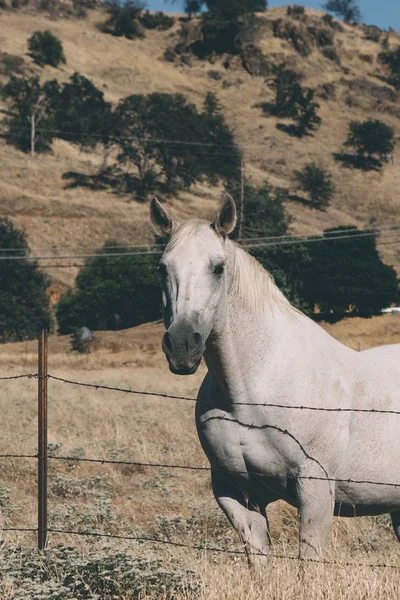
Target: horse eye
(162, 270)
(218, 270)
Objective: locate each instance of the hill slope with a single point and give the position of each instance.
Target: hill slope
(34, 194)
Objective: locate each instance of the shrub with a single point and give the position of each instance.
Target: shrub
(370, 138)
(64, 573)
(24, 304)
(348, 9)
(296, 12)
(124, 19)
(10, 63)
(170, 54)
(286, 85)
(330, 53)
(82, 340)
(305, 116)
(317, 182)
(112, 292)
(391, 58)
(46, 49)
(157, 20)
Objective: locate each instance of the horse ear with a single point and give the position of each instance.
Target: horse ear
(160, 218)
(225, 218)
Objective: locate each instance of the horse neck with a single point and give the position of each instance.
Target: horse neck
(253, 322)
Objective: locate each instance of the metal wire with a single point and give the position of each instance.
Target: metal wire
(216, 549)
(99, 386)
(200, 468)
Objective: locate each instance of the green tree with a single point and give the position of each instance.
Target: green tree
(31, 117)
(24, 304)
(114, 290)
(305, 114)
(123, 20)
(371, 138)
(348, 9)
(46, 49)
(265, 220)
(318, 184)
(82, 116)
(171, 144)
(348, 275)
(287, 89)
(263, 210)
(294, 101)
(222, 24)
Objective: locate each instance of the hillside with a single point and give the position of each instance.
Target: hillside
(35, 195)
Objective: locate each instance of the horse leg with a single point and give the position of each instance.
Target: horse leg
(251, 525)
(315, 504)
(396, 523)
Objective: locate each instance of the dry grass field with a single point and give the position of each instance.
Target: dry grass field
(169, 504)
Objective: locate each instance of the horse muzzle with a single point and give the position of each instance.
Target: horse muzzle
(183, 347)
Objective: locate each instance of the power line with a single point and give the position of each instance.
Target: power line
(355, 235)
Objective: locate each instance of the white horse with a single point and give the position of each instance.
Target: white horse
(220, 303)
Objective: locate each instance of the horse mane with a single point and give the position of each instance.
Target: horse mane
(250, 282)
(254, 285)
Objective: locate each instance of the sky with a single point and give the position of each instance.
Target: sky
(383, 13)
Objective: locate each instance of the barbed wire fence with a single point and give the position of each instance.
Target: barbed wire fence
(43, 457)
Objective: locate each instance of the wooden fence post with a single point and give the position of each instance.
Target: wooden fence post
(42, 441)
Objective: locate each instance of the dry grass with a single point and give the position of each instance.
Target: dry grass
(176, 504)
(33, 192)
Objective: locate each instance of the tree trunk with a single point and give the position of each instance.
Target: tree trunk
(33, 134)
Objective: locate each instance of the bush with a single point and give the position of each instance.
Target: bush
(157, 20)
(46, 49)
(305, 116)
(10, 63)
(170, 54)
(371, 138)
(24, 304)
(64, 573)
(112, 292)
(391, 58)
(296, 12)
(317, 182)
(124, 19)
(287, 87)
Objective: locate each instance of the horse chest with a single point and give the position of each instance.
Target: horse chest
(242, 451)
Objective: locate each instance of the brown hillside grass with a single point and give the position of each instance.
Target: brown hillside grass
(33, 193)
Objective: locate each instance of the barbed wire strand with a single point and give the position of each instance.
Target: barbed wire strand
(230, 472)
(99, 386)
(216, 549)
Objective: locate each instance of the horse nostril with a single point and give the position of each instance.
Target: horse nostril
(197, 339)
(167, 342)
